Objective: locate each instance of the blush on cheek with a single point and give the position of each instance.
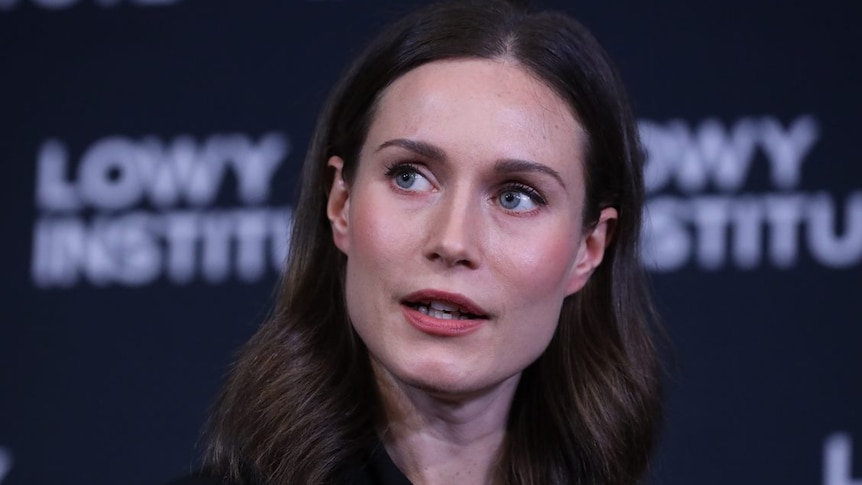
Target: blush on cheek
(549, 265)
(380, 237)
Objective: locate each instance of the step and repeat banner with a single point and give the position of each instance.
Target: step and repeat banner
(150, 150)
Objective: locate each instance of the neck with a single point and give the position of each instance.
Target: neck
(443, 438)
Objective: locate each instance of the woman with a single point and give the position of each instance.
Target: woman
(463, 301)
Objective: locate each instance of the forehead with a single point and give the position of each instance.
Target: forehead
(480, 108)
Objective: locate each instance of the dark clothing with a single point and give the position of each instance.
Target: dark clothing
(373, 468)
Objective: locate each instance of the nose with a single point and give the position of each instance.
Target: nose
(454, 237)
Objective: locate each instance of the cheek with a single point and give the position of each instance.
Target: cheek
(540, 263)
(540, 285)
(378, 237)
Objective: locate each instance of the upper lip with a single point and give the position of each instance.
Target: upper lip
(464, 304)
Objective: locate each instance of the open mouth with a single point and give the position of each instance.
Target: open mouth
(443, 310)
(442, 313)
(444, 305)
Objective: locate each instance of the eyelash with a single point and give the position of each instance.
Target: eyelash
(395, 168)
(530, 192)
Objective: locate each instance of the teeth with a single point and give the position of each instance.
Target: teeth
(437, 310)
(445, 315)
(439, 305)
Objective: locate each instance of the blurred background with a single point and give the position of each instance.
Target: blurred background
(151, 149)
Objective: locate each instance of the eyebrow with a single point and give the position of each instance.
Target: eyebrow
(419, 147)
(510, 165)
(505, 166)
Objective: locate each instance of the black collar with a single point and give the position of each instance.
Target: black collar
(374, 467)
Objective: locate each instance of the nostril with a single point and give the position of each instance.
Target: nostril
(452, 260)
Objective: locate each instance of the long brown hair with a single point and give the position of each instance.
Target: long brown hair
(300, 400)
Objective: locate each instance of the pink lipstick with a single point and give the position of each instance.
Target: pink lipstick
(441, 313)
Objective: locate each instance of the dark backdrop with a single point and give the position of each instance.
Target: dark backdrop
(150, 150)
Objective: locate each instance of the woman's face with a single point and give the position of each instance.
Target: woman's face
(462, 225)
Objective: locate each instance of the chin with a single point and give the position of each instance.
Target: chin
(447, 380)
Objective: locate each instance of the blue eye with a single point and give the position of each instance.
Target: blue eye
(408, 177)
(405, 179)
(516, 201)
(520, 199)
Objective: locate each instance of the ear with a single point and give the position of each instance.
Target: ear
(338, 206)
(592, 250)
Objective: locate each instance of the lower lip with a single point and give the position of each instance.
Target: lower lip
(439, 326)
